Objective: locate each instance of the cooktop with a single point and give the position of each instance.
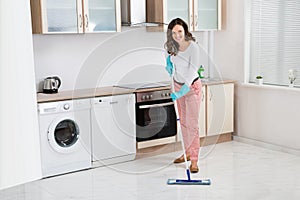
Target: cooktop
(143, 85)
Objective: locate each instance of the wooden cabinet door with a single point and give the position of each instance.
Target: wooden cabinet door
(207, 14)
(178, 8)
(219, 109)
(202, 114)
(52, 16)
(102, 15)
(200, 15)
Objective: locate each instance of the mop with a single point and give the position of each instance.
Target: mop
(188, 181)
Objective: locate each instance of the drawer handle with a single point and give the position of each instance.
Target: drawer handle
(87, 21)
(81, 21)
(156, 105)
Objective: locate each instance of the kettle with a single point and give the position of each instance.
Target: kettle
(51, 84)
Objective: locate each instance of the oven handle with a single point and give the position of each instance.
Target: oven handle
(156, 105)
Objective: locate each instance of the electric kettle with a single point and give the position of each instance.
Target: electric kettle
(51, 84)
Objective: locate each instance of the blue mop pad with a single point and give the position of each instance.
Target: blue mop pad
(188, 181)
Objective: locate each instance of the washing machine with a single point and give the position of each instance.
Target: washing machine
(65, 136)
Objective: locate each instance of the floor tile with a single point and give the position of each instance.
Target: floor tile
(237, 171)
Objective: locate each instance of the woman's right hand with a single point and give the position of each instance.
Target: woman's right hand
(183, 91)
(169, 66)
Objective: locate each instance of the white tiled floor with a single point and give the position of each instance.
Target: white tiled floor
(237, 171)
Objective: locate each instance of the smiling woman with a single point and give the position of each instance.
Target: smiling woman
(182, 64)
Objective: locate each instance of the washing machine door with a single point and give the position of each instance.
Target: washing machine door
(63, 135)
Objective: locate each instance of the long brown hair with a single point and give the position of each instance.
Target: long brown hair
(171, 45)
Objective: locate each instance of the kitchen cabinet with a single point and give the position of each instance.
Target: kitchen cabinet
(219, 109)
(199, 14)
(202, 116)
(216, 110)
(75, 16)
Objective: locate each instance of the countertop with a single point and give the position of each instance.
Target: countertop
(81, 93)
(108, 91)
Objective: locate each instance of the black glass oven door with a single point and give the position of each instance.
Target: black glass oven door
(155, 120)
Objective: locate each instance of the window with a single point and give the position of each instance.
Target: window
(274, 40)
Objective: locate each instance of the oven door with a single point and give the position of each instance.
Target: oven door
(155, 119)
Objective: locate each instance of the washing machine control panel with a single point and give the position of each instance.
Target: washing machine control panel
(66, 106)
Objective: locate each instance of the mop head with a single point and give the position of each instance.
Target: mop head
(188, 182)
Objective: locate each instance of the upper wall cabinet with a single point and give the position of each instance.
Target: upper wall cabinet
(199, 14)
(207, 14)
(75, 16)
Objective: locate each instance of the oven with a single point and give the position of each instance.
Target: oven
(155, 112)
(155, 115)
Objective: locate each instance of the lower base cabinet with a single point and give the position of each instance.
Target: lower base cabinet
(219, 109)
(216, 110)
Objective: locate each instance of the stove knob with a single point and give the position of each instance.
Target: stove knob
(162, 94)
(143, 97)
(147, 97)
(151, 96)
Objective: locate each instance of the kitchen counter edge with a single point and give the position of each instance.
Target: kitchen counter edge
(105, 91)
(82, 93)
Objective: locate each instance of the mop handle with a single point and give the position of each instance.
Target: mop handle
(179, 130)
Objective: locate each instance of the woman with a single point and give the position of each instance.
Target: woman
(183, 60)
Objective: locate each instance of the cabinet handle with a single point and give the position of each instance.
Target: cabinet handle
(155, 105)
(192, 20)
(210, 95)
(81, 21)
(202, 96)
(196, 21)
(113, 102)
(87, 21)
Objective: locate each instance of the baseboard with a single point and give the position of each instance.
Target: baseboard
(266, 145)
(176, 146)
(111, 161)
(156, 142)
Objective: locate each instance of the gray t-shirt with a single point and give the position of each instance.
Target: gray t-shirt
(186, 64)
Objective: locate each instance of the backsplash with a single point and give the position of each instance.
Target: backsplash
(92, 60)
(103, 59)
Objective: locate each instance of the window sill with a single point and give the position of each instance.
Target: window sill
(271, 87)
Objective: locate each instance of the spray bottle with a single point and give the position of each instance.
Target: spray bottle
(201, 72)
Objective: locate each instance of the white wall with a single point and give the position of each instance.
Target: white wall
(19, 138)
(229, 42)
(93, 60)
(264, 114)
(82, 60)
(269, 114)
